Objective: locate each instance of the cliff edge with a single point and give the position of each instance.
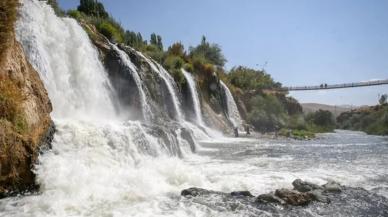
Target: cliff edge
(25, 123)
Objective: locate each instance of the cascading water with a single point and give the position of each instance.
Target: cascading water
(107, 167)
(67, 62)
(233, 113)
(146, 109)
(96, 159)
(170, 84)
(195, 98)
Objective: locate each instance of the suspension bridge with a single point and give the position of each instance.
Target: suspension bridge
(336, 86)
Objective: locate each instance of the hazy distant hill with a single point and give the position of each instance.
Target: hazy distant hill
(336, 110)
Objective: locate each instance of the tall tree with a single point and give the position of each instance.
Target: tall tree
(212, 53)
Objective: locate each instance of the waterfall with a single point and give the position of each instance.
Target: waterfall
(194, 96)
(146, 109)
(67, 62)
(170, 84)
(232, 110)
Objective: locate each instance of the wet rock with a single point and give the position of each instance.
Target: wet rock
(285, 202)
(318, 196)
(269, 198)
(194, 192)
(188, 136)
(241, 194)
(303, 186)
(332, 186)
(294, 198)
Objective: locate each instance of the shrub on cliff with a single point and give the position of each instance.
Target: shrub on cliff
(250, 79)
(211, 53)
(110, 30)
(93, 8)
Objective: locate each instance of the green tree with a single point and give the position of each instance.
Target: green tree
(266, 113)
(159, 42)
(211, 53)
(156, 40)
(176, 49)
(93, 8)
(250, 79)
(322, 118)
(134, 39)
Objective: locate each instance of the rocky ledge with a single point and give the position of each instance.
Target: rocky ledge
(306, 199)
(26, 127)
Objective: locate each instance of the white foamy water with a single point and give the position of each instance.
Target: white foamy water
(195, 98)
(233, 113)
(146, 109)
(170, 84)
(116, 168)
(67, 63)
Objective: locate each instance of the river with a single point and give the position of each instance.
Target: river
(151, 186)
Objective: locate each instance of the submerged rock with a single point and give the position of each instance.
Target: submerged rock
(194, 192)
(303, 186)
(332, 186)
(269, 198)
(241, 194)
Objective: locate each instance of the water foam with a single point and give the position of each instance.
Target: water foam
(232, 110)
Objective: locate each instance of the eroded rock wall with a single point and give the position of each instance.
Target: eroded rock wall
(25, 123)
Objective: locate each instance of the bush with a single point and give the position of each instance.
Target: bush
(211, 53)
(250, 79)
(93, 8)
(372, 120)
(266, 113)
(74, 14)
(110, 30)
(321, 121)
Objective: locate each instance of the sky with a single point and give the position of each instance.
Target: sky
(298, 42)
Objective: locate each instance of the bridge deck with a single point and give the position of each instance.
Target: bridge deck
(337, 86)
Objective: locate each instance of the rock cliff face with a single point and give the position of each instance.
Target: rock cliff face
(124, 83)
(25, 123)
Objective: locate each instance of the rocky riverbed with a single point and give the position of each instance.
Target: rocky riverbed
(305, 199)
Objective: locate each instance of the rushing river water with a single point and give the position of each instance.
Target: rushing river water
(152, 186)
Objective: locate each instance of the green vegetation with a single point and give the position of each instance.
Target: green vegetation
(209, 53)
(250, 79)
(267, 109)
(321, 121)
(372, 120)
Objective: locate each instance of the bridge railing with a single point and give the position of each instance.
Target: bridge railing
(337, 86)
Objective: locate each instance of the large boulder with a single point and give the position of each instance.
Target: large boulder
(294, 198)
